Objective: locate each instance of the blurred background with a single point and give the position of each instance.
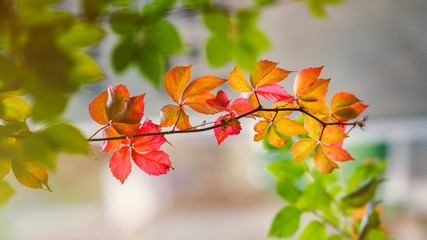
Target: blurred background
(376, 49)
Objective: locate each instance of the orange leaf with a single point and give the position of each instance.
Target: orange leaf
(288, 127)
(132, 111)
(237, 81)
(120, 164)
(198, 103)
(345, 106)
(301, 149)
(333, 134)
(97, 109)
(274, 139)
(316, 91)
(318, 107)
(170, 114)
(322, 162)
(261, 128)
(336, 153)
(126, 129)
(275, 76)
(261, 69)
(175, 81)
(305, 78)
(312, 126)
(201, 85)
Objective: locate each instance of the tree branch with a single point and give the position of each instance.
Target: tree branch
(258, 109)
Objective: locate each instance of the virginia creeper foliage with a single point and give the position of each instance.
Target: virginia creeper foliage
(127, 136)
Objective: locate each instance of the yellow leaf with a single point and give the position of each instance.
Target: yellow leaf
(301, 149)
(288, 127)
(237, 81)
(175, 81)
(322, 162)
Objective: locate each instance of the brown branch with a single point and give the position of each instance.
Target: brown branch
(258, 109)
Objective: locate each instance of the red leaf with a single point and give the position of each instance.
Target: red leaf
(120, 164)
(116, 100)
(148, 143)
(153, 163)
(230, 127)
(241, 106)
(221, 101)
(305, 78)
(201, 85)
(175, 81)
(97, 109)
(133, 110)
(273, 92)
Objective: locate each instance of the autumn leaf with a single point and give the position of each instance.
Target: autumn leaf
(289, 127)
(230, 126)
(148, 143)
(110, 145)
(153, 163)
(305, 78)
(345, 106)
(176, 80)
(265, 73)
(199, 103)
(221, 101)
(173, 114)
(261, 128)
(273, 92)
(132, 111)
(202, 85)
(323, 162)
(302, 148)
(117, 97)
(241, 106)
(336, 153)
(274, 139)
(237, 81)
(30, 174)
(120, 164)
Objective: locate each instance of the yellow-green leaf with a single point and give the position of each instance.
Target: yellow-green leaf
(14, 109)
(30, 174)
(6, 192)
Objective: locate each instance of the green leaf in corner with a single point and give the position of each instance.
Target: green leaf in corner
(6, 192)
(218, 50)
(315, 230)
(30, 174)
(285, 223)
(14, 109)
(65, 138)
(164, 36)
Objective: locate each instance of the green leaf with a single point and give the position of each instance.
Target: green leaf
(12, 129)
(92, 9)
(6, 192)
(286, 169)
(244, 54)
(285, 223)
(5, 165)
(335, 237)
(316, 8)
(369, 169)
(314, 197)
(164, 36)
(65, 138)
(122, 55)
(363, 195)
(158, 6)
(14, 109)
(37, 3)
(246, 19)
(197, 3)
(287, 190)
(85, 68)
(256, 39)
(217, 21)
(315, 230)
(48, 106)
(38, 150)
(82, 34)
(376, 234)
(150, 63)
(263, 3)
(30, 174)
(218, 50)
(124, 22)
